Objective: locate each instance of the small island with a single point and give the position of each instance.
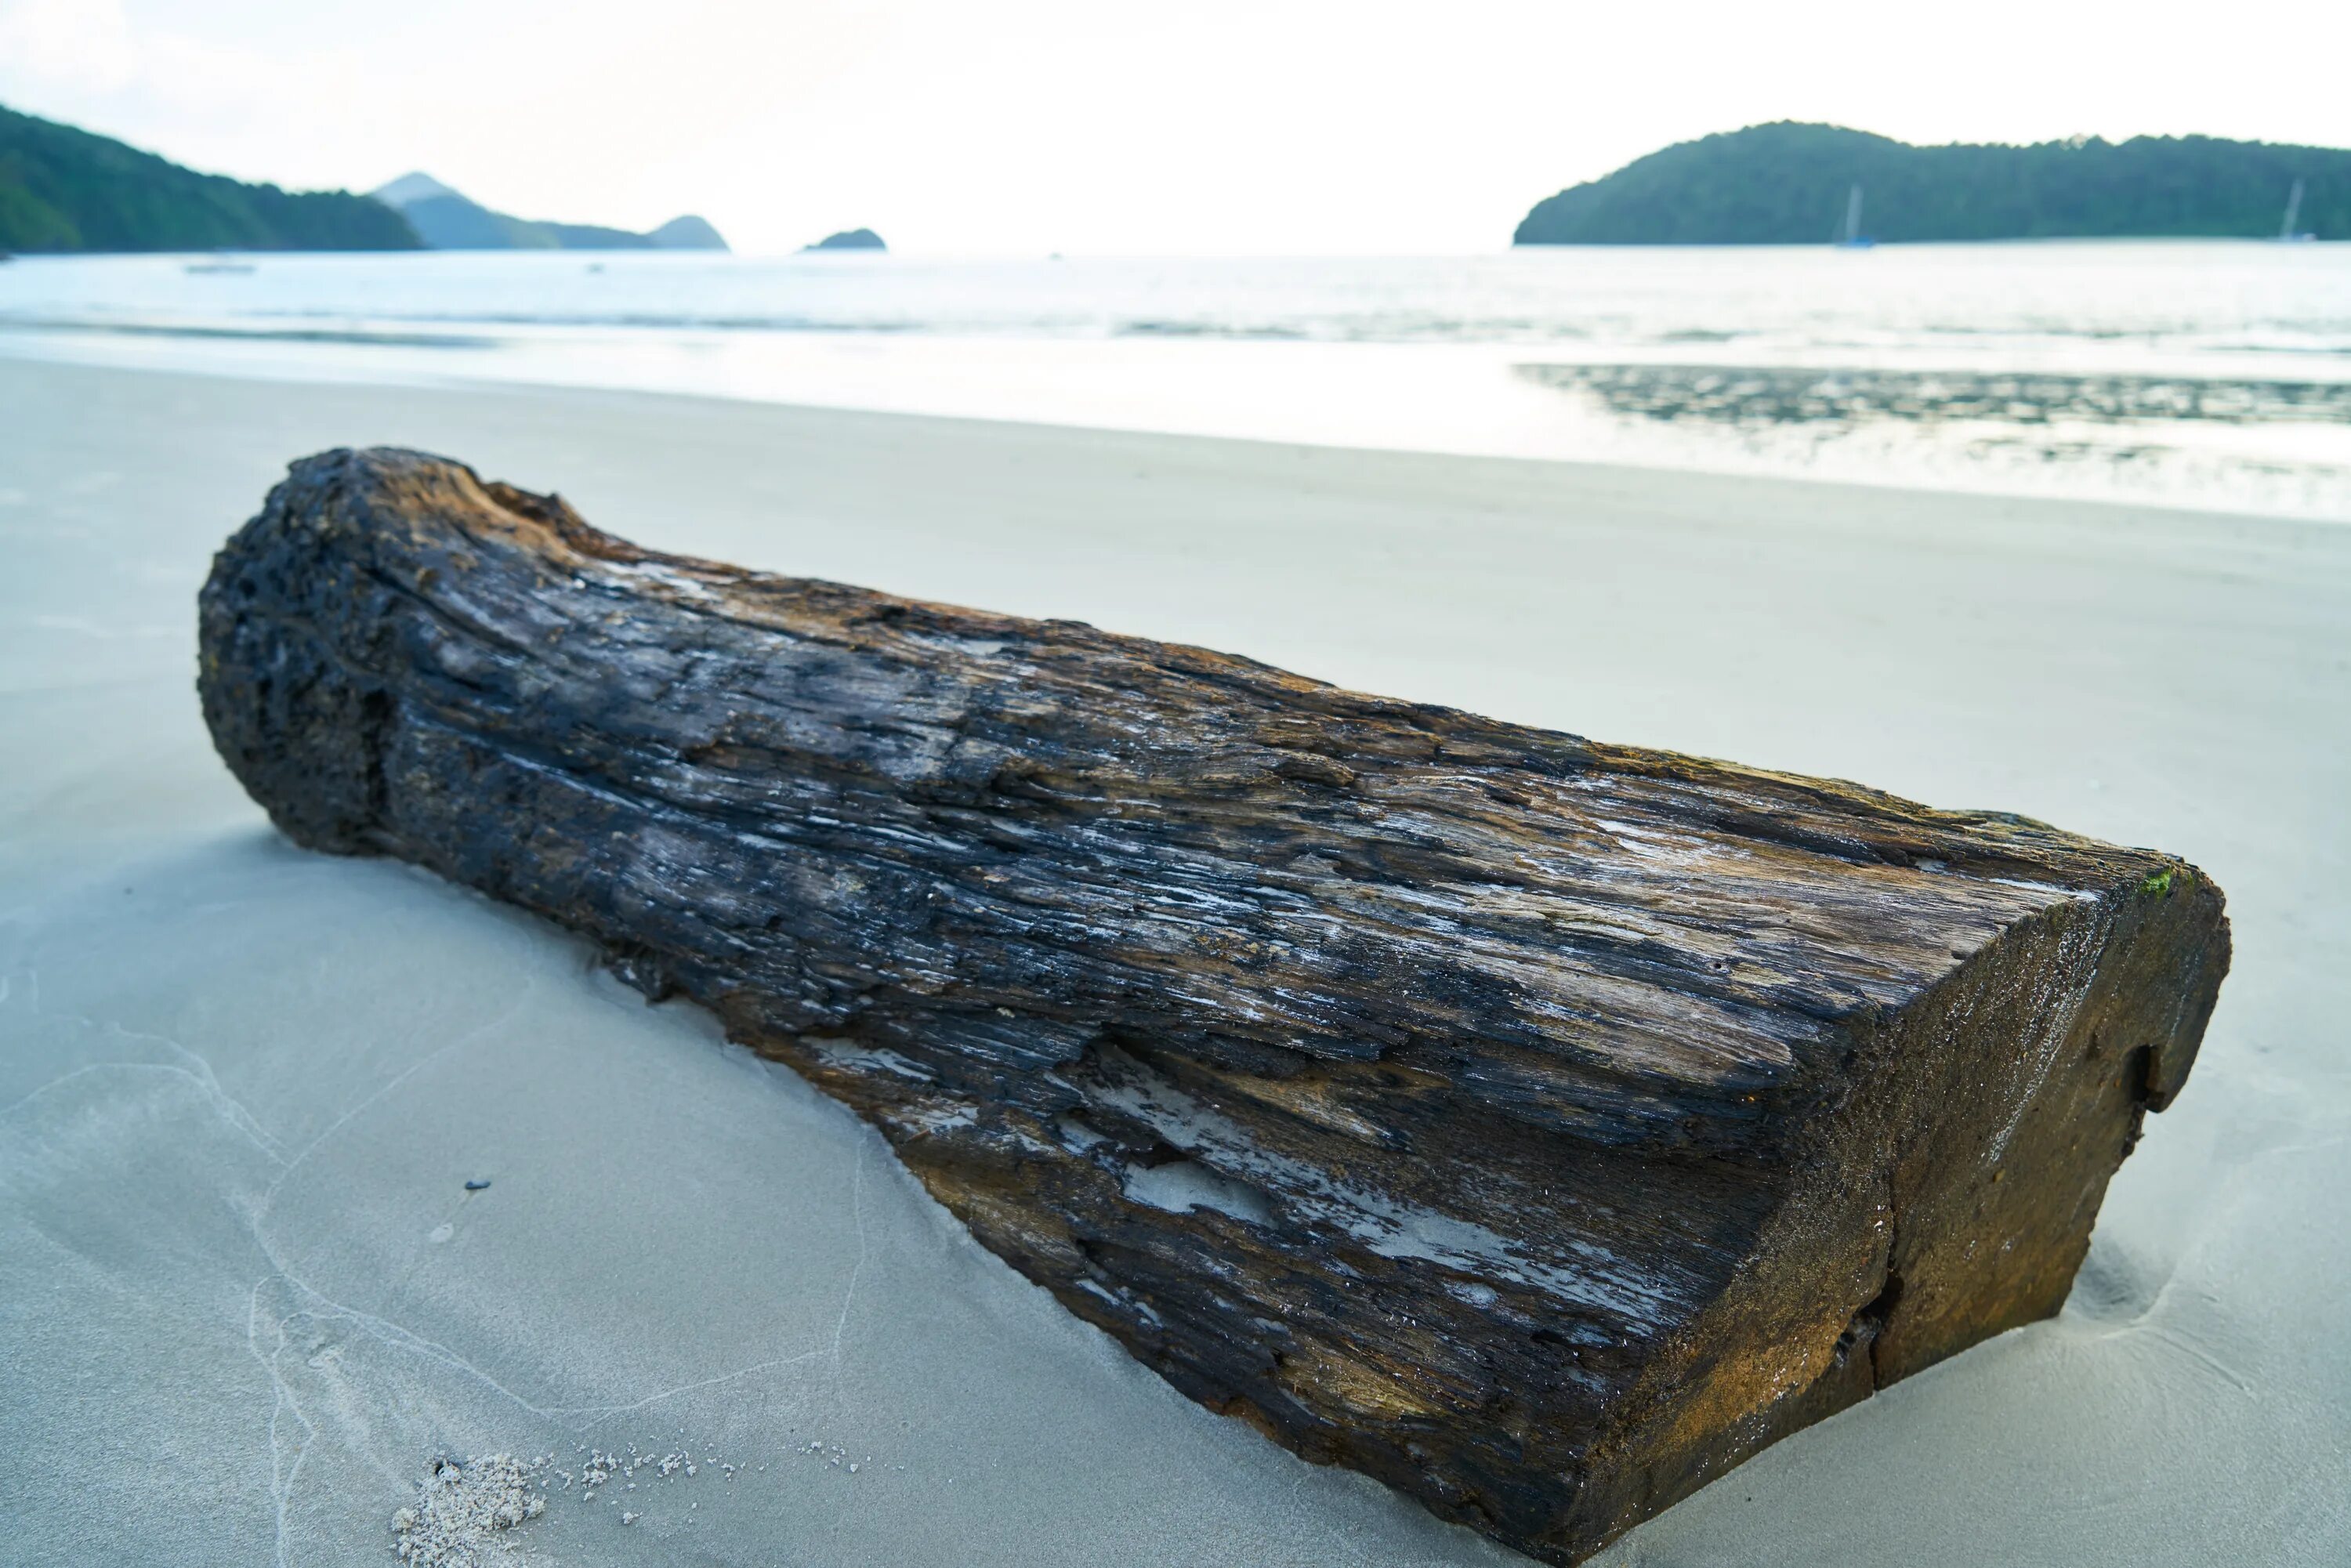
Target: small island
(1790, 184)
(848, 239)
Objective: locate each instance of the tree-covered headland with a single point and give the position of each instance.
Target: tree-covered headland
(1789, 183)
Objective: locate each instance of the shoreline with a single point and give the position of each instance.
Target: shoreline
(2166, 391)
(243, 1087)
(321, 373)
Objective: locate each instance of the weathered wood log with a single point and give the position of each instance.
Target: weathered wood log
(1540, 1126)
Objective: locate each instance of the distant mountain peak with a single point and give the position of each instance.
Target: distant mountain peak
(688, 233)
(411, 187)
(848, 239)
(446, 219)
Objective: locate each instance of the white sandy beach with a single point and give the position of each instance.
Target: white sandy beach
(245, 1296)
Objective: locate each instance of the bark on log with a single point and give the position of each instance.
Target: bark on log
(1538, 1126)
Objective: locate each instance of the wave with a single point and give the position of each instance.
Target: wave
(343, 334)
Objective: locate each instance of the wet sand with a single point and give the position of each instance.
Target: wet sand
(245, 1295)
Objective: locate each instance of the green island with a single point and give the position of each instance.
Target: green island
(66, 189)
(1790, 183)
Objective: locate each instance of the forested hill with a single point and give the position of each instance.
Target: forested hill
(1788, 184)
(66, 190)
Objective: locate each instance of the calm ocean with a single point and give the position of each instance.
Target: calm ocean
(2206, 373)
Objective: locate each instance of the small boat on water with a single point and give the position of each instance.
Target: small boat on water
(2291, 230)
(218, 267)
(1853, 238)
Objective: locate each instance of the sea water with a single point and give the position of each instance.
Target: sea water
(2211, 374)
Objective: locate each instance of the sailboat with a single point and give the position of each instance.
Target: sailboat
(1853, 238)
(2288, 230)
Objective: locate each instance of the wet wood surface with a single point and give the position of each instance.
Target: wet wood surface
(1539, 1125)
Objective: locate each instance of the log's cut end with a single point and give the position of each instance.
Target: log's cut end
(1538, 1126)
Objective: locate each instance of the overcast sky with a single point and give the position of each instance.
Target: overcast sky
(1092, 126)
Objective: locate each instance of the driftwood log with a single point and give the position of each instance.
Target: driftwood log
(1540, 1126)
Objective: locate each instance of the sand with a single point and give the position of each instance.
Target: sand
(247, 1299)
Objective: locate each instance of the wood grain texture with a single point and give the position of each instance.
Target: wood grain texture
(1538, 1126)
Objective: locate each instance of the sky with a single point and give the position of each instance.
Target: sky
(1019, 127)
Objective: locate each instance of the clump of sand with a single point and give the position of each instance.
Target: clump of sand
(465, 1508)
(462, 1509)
